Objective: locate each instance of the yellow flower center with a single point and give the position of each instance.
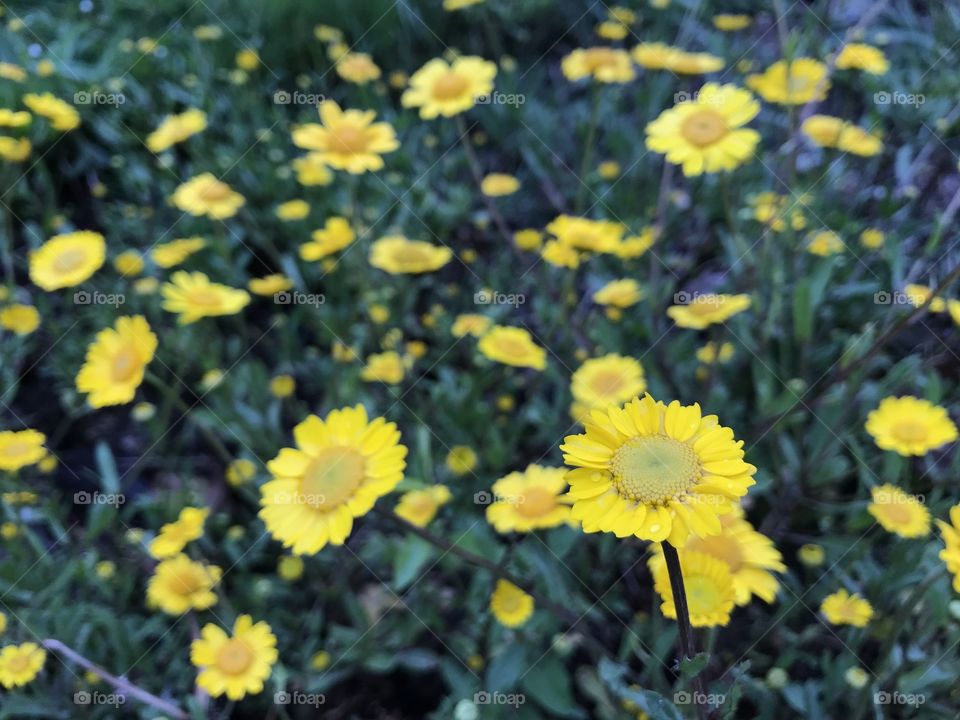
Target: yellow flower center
(702, 594)
(536, 502)
(16, 448)
(125, 364)
(450, 86)
(234, 657)
(909, 431)
(333, 476)
(897, 511)
(187, 581)
(348, 139)
(69, 260)
(705, 305)
(654, 470)
(204, 297)
(18, 663)
(704, 127)
(722, 547)
(607, 383)
(214, 191)
(596, 58)
(797, 85)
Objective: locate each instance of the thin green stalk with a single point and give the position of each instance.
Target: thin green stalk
(587, 158)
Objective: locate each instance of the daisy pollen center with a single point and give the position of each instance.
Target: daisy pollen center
(450, 85)
(333, 476)
(234, 657)
(704, 127)
(654, 470)
(909, 431)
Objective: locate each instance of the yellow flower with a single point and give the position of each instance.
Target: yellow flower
(657, 56)
(67, 260)
(603, 64)
(461, 459)
(334, 237)
(832, 132)
(898, 512)
(19, 664)
(20, 319)
(731, 23)
(320, 660)
(9, 71)
(705, 310)
(282, 386)
(872, 238)
(341, 466)
(416, 349)
(116, 361)
(859, 56)
(842, 608)
(180, 584)
(15, 149)
(917, 295)
(205, 195)
(811, 554)
(62, 115)
(247, 59)
(528, 239)
(240, 471)
(825, 243)
(910, 426)
(823, 130)
(193, 296)
(792, 83)
(325, 33)
(530, 500)
(612, 30)
(512, 346)
(619, 293)
(655, 471)
(208, 32)
(175, 536)
(383, 367)
(293, 210)
(357, 67)
(3, 617)
(706, 134)
(470, 324)
(237, 665)
(290, 568)
(347, 139)
(269, 285)
(708, 585)
(171, 254)
(635, 245)
(708, 354)
(379, 313)
(609, 170)
(687, 63)
(20, 448)
(560, 255)
(858, 141)
(451, 5)
(856, 678)
(14, 118)
(129, 263)
(46, 68)
(312, 170)
(602, 236)
(143, 411)
(951, 538)
(441, 89)
(605, 381)
(420, 507)
(397, 255)
(499, 184)
(510, 605)
(175, 129)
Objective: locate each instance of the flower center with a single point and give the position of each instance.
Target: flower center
(897, 511)
(69, 260)
(597, 58)
(205, 298)
(234, 657)
(332, 477)
(18, 663)
(909, 431)
(214, 191)
(702, 595)
(607, 383)
(450, 86)
(125, 364)
(536, 502)
(348, 139)
(654, 470)
(187, 582)
(16, 448)
(797, 85)
(722, 547)
(704, 127)
(705, 305)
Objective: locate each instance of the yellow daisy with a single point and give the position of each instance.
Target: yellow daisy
(560, 255)
(951, 538)
(708, 586)
(171, 254)
(397, 255)
(530, 500)
(116, 361)
(15, 149)
(655, 471)
(918, 295)
(338, 470)
(470, 324)
(707, 133)
(499, 185)
(19, 319)
(461, 459)
(347, 139)
(604, 381)
(193, 296)
(293, 210)
(14, 118)
(872, 238)
(731, 23)
(20, 448)
(269, 285)
(512, 346)
(175, 536)
(384, 367)
(705, 310)
(528, 239)
(792, 83)
(129, 263)
(899, 512)
(602, 236)
(335, 235)
(236, 665)
(19, 664)
(825, 243)
(175, 129)
(510, 605)
(180, 584)
(62, 115)
(312, 169)
(603, 64)
(842, 608)
(420, 507)
(67, 260)
(282, 386)
(205, 195)
(358, 68)
(441, 89)
(859, 56)
(910, 426)
(619, 293)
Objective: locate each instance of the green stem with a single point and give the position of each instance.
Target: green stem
(687, 643)
(588, 150)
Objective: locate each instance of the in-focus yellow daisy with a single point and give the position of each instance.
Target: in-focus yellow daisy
(181, 584)
(358, 68)
(899, 512)
(205, 195)
(602, 236)
(171, 254)
(470, 324)
(340, 467)
(951, 538)
(174, 537)
(347, 139)
(420, 507)
(859, 56)
(269, 285)
(441, 89)
(397, 255)
(603, 64)
(825, 243)
(335, 235)
(510, 605)
(731, 23)
(461, 459)
(312, 170)
(19, 319)
(234, 665)
(604, 381)
(910, 426)
(67, 260)
(530, 500)
(62, 115)
(175, 129)
(619, 293)
(387, 367)
(655, 471)
(708, 585)
(20, 448)
(842, 608)
(293, 210)
(792, 83)
(707, 309)
(512, 346)
(19, 664)
(499, 185)
(116, 361)
(706, 134)
(193, 296)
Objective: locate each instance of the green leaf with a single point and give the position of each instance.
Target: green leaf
(412, 554)
(548, 684)
(505, 669)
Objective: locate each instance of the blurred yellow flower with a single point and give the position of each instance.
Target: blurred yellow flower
(14, 118)
(910, 426)
(603, 64)
(441, 89)
(461, 459)
(312, 170)
(420, 507)
(510, 605)
(347, 139)
(181, 584)
(560, 255)
(240, 471)
(269, 285)
(842, 608)
(707, 309)
(62, 115)
(175, 129)
(795, 82)
(335, 235)
(528, 239)
(358, 68)
(731, 23)
(709, 589)
(385, 367)
(9, 71)
(237, 665)
(811, 554)
(171, 254)
(20, 448)
(129, 263)
(825, 243)
(15, 149)
(397, 255)
(872, 238)
(470, 324)
(604, 381)
(951, 538)
(247, 59)
(859, 56)
(19, 319)
(499, 184)
(512, 346)
(293, 210)
(282, 386)
(290, 567)
(898, 512)
(205, 195)
(530, 500)
(193, 296)
(175, 536)
(19, 664)
(67, 260)
(116, 361)
(708, 354)
(619, 293)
